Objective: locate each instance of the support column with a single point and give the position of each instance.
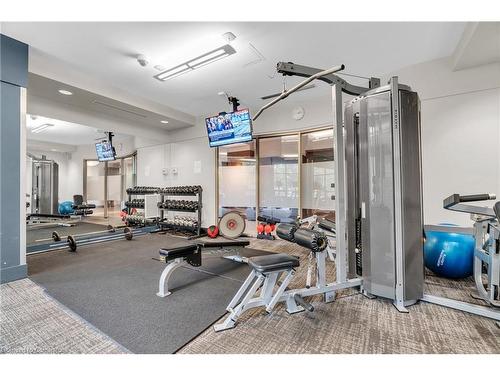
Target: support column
(13, 81)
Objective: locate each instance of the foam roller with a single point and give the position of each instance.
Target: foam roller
(286, 231)
(310, 239)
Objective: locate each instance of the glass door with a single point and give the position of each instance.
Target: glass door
(114, 188)
(317, 174)
(129, 174)
(105, 185)
(237, 176)
(94, 181)
(279, 177)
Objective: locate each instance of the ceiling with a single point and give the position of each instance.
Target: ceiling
(106, 52)
(65, 133)
(42, 87)
(480, 45)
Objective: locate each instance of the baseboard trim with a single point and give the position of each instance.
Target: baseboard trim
(13, 273)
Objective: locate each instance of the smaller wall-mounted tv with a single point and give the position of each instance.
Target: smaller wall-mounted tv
(105, 151)
(228, 128)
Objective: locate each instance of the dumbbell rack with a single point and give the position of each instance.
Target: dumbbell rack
(198, 210)
(130, 198)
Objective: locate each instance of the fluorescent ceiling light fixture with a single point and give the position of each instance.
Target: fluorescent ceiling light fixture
(65, 92)
(290, 155)
(41, 128)
(164, 121)
(197, 62)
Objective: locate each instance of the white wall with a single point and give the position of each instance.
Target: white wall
(195, 164)
(460, 132)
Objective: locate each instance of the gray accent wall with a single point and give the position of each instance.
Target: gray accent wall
(13, 77)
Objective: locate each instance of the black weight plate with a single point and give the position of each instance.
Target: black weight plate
(128, 234)
(71, 243)
(55, 236)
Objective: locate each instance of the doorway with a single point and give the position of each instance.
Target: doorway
(105, 185)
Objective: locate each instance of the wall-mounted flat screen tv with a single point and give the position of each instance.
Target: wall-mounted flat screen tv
(228, 128)
(105, 151)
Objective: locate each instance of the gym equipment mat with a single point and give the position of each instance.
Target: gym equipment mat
(113, 286)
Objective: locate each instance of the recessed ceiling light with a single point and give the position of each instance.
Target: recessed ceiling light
(65, 92)
(164, 121)
(53, 149)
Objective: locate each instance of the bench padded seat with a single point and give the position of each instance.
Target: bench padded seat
(179, 251)
(273, 262)
(190, 247)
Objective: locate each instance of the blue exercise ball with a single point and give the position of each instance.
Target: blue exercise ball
(66, 208)
(449, 254)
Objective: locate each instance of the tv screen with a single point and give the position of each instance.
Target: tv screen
(105, 151)
(233, 127)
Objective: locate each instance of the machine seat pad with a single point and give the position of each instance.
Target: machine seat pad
(273, 262)
(179, 251)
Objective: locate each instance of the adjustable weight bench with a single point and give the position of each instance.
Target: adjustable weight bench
(266, 271)
(190, 252)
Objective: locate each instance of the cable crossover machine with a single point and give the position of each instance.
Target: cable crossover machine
(378, 204)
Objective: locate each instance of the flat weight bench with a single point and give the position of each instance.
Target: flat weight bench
(190, 252)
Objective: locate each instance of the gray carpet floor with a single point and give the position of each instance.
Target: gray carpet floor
(355, 324)
(113, 286)
(33, 322)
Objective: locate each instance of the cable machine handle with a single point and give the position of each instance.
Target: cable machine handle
(298, 86)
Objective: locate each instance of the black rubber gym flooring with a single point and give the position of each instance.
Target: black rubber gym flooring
(113, 286)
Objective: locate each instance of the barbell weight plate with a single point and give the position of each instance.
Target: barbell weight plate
(55, 236)
(111, 229)
(231, 225)
(128, 233)
(71, 243)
